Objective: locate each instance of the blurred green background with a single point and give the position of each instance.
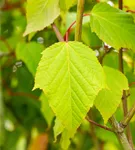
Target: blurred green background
(24, 124)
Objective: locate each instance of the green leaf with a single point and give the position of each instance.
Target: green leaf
(111, 57)
(66, 4)
(40, 14)
(111, 146)
(66, 135)
(89, 37)
(65, 139)
(30, 54)
(46, 110)
(3, 47)
(58, 128)
(113, 26)
(108, 136)
(109, 99)
(67, 75)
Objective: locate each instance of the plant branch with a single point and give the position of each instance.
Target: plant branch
(2, 130)
(124, 100)
(121, 60)
(121, 4)
(98, 125)
(22, 94)
(120, 133)
(128, 117)
(132, 83)
(92, 132)
(57, 32)
(132, 11)
(6, 43)
(79, 18)
(6, 54)
(70, 27)
(28, 95)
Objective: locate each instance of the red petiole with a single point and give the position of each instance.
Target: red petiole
(70, 27)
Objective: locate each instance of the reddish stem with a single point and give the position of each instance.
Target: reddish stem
(99, 125)
(70, 27)
(22, 94)
(6, 43)
(132, 11)
(132, 83)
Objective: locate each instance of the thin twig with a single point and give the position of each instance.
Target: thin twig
(124, 100)
(28, 95)
(132, 11)
(6, 54)
(2, 129)
(121, 60)
(99, 125)
(128, 117)
(132, 83)
(121, 4)
(120, 133)
(22, 94)
(70, 27)
(57, 32)
(126, 96)
(79, 18)
(92, 131)
(6, 43)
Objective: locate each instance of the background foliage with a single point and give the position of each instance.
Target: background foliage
(26, 118)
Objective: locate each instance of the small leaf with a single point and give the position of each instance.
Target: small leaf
(89, 37)
(66, 4)
(109, 99)
(46, 110)
(65, 139)
(40, 14)
(58, 128)
(67, 75)
(66, 135)
(30, 54)
(111, 60)
(113, 26)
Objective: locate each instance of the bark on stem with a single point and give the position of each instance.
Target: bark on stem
(99, 125)
(79, 18)
(128, 117)
(93, 133)
(120, 134)
(58, 34)
(124, 101)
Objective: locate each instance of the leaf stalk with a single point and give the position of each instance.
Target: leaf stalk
(79, 18)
